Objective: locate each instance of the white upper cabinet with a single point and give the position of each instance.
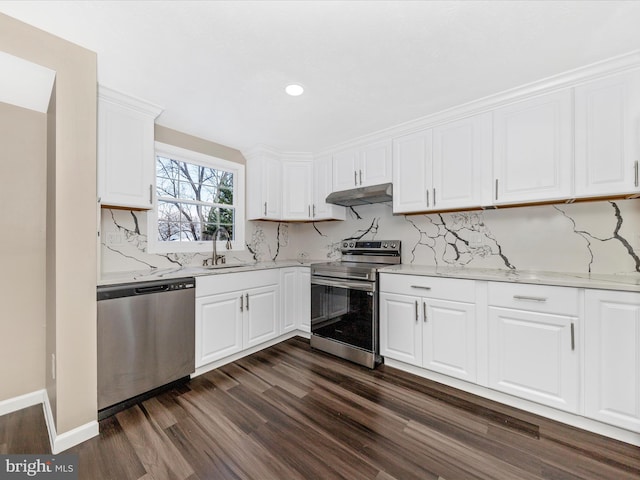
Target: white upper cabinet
(297, 191)
(412, 165)
(607, 119)
(289, 187)
(533, 149)
(323, 186)
(264, 186)
(461, 155)
(126, 158)
(359, 167)
(375, 164)
(444, 167)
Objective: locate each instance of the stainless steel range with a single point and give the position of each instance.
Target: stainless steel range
(344, 300)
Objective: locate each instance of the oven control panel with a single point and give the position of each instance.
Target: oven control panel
(370, 246)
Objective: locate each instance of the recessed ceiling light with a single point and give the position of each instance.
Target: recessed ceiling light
(294, 89)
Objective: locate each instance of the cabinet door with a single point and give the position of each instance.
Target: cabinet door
(412, 165)
(323, 186)
(449, 338)
(296, 189)
(261, 315)
(289, 303)
(532, 355)
(460, 152)
(272, 189)
(345, 166)
(303, 296)
(375, 164)
(400, 328)
(607, 114)
(533, 143)
(612, 353)
(218, 326)
(126, 156)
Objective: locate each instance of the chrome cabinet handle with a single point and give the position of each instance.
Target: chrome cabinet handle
(434, 197)
(241, 304)
(635, 167)
(247, 297)
(424, 311)
(314, 210)
(151, 187)
(533, 299)
(309, 208)
(573, 337)
(427, 198)
(355, 178)
(360, 176)
(417, 311)
(265, 208)
(496, 189)
(420, 287)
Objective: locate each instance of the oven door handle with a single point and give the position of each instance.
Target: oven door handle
(351, 285)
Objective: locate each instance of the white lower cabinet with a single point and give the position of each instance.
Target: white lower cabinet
(429, 323)
(296, 299)
(533, 349)
(218, 327)
(612, 363)
(235, 311)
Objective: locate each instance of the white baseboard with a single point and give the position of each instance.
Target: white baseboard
(66, 440)
(22, 401)
(60, 442)
(572, 419)
(237, 356)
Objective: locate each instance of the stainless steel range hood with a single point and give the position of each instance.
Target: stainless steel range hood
(362, 196)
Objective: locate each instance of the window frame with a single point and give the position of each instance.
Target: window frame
(154, 245)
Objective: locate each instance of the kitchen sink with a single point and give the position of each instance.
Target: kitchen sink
(220, 267)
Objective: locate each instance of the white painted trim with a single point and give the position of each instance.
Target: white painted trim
(66, 440)
(129, 101)
(14, 404)
(244, 353)
(578, 421)
(57, 442)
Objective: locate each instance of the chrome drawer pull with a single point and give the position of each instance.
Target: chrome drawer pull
(416, 311)
(420, 287)
(533, 299)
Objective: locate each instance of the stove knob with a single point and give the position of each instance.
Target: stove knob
(385, 245)
(352, 244)
(345, 245)
(393, 245)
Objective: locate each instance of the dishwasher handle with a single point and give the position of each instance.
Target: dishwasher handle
(151, 289)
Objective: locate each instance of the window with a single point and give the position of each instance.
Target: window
(197, 196)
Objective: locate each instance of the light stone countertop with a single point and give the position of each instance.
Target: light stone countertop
(626, 282)
(194, 271)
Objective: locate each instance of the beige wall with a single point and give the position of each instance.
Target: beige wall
(22, 222)
(71, 305)
(196, 144)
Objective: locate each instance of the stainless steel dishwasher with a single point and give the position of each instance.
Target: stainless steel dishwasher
(146, 340)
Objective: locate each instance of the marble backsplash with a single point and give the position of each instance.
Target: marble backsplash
(589, 237)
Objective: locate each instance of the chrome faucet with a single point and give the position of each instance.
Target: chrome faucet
(221, 233)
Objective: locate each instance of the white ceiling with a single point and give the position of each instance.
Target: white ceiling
(219, 68)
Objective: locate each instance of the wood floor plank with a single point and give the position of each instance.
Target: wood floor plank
(291, 413)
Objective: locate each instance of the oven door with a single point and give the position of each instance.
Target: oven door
(345, 311)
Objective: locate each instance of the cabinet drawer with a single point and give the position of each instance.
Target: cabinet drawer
(536, 298)
(432, 287)
(231, 282)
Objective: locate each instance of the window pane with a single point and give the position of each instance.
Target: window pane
(205, 186)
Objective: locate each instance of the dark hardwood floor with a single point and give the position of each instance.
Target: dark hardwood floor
(292, 413)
